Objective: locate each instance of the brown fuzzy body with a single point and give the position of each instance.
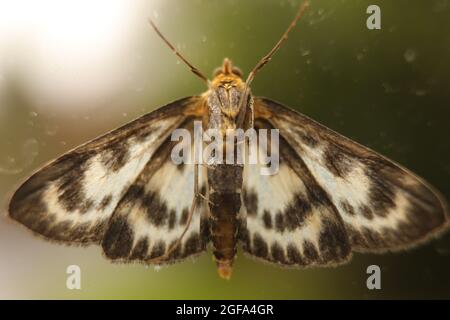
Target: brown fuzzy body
(225, 183)
(226, 113)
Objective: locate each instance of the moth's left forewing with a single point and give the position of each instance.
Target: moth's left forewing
(382, 205)
(72, 198)
(153, 213)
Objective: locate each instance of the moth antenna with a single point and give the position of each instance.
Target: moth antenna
(278, 45)
(269, 56)
(177, 53)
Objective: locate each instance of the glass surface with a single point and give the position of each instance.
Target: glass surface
(71, 70)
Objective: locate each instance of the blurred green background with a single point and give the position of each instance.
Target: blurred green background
(70, 70)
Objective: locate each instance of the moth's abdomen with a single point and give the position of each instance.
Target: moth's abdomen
(225, 182)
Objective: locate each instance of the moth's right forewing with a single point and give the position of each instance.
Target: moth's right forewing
(287, 218)
(72, 198)
(382, 205)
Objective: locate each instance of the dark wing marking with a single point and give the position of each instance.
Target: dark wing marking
(152, 215)
(72, 198)
(383, 205)
(288, 218)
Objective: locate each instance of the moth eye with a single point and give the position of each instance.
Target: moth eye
(237, 71)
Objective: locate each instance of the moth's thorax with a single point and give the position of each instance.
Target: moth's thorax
(223, 97)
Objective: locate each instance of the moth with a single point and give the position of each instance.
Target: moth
(330, 197)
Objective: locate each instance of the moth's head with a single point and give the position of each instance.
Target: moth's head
(227, 76)
(224, 95)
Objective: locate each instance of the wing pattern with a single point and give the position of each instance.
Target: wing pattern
(153, 213)
(88, 194)
(289, 219)
(332, 195)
